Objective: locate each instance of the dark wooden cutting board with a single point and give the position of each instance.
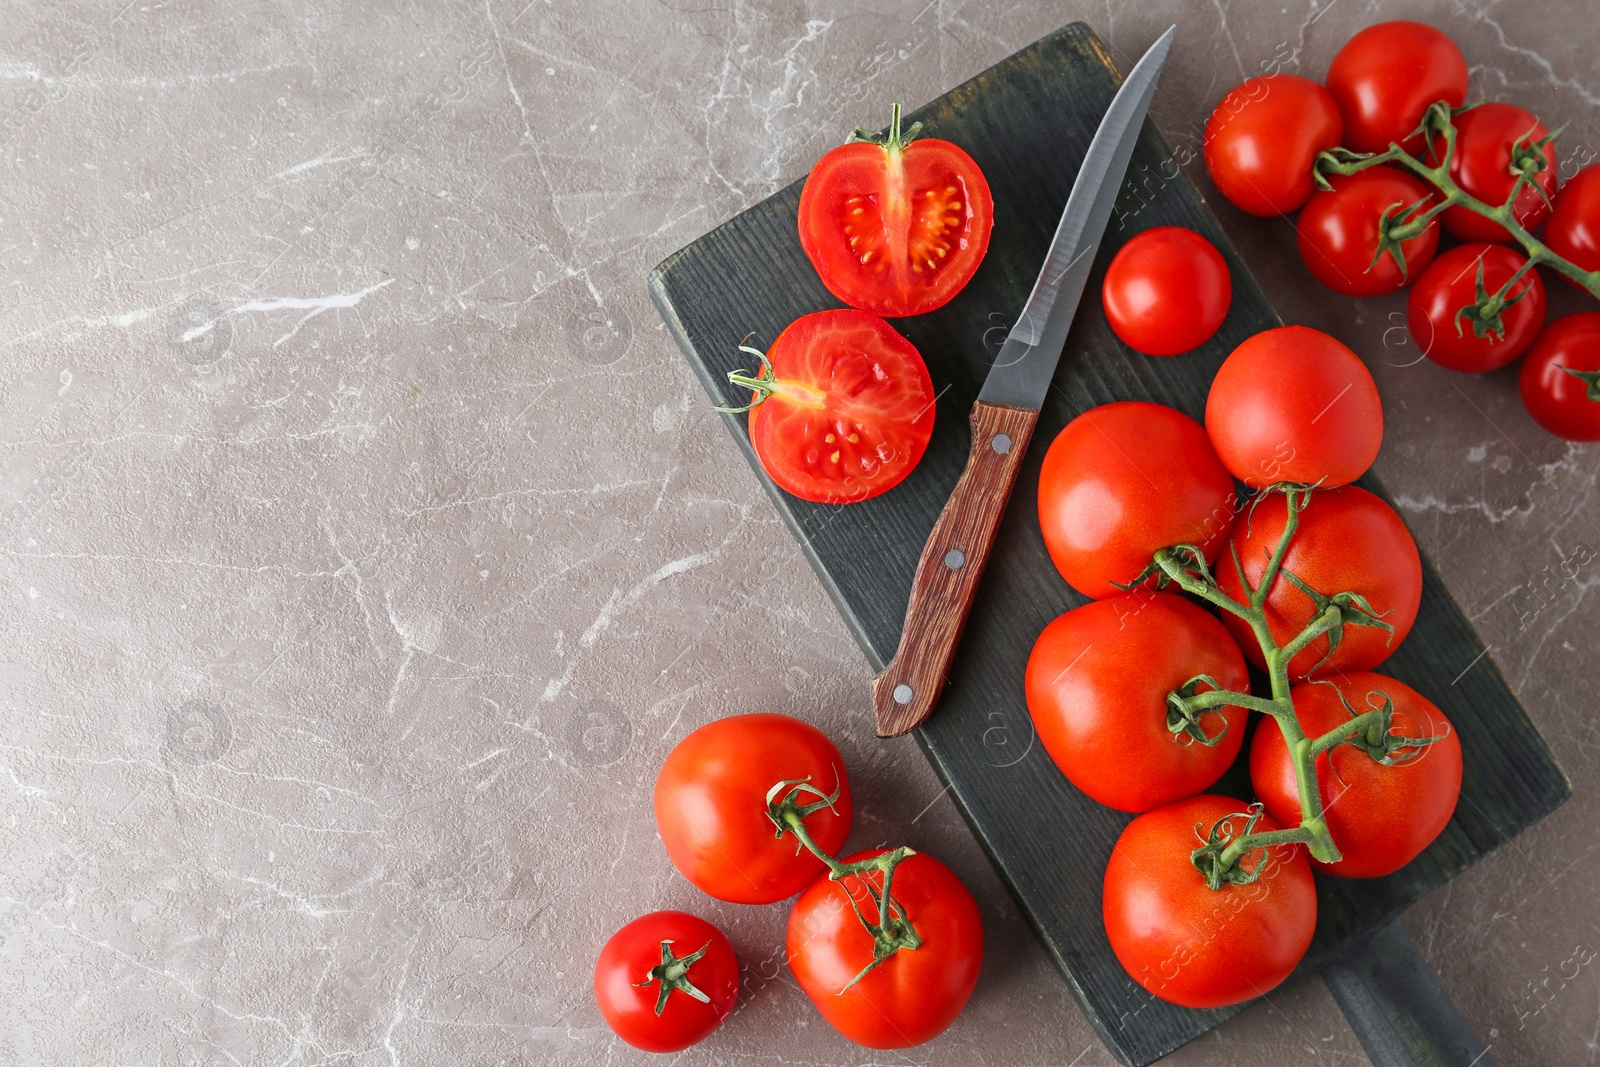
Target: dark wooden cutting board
(1028, 121)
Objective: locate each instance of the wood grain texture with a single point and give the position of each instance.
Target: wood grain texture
(950, 568)
(1028, 121)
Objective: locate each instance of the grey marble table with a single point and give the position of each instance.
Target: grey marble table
(365, 543)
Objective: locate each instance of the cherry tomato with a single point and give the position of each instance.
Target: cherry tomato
(1292, 404)
(711, 806)
(1490, 139)
(1381, 816)
(1122, 481)
(1385, 77)
(1167, 291)
(653, 973)
(1563, 402)
(1347, 541)
(1263, 137)
(1450, 285)
(1097, 686)
(1573, 230)
(1339, 232)
(1193, 945)
(896, 228)
(842, 408)
(915, 994)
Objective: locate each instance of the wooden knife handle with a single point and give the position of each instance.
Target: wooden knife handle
(951, 565)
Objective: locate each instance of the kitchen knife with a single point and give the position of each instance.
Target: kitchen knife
(1004, 415)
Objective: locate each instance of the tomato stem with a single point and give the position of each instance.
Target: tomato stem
(894, 140)
(673, 973)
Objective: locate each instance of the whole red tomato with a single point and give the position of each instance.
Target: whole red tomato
(1263, 137)
(1385, 77)
(1340, 230)
(653, 973)
(1450, 285)
(1381, 816)
(1122, 481)
(1292, 404)
(1573, 230)
(1490, 140)
(711, 806)
(1560, 379)
(896, 227)
(1167, 291)
(1097, 686)
(915, 994)
(842, 409)
(1347, 541)
(1193, 945)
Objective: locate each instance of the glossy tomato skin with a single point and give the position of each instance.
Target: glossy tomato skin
(1263, 137)
(1485, 136)
(1122, 481)
(1556, 400)
(1573, 230)
(1166, 291)
(1292, 404)
(1385, 77)
(1451, 283)
(1196, 946)
(852, 408)
(916, 994)
(1338, 232)
(1347, 541)
(896, 231)
(1380, 817)
(627, 959)
(710, 802)
(1097, 684)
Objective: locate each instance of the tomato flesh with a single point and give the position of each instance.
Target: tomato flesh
(1450, 284)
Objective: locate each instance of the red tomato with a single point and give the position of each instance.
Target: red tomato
(843, 408)
(1573, 231)
(1489, 140)
(1347, 541)
(711, 806)
(1167, 291)
(1563, 402)
(1292, 404)
(1338, 232)
(1450, 285)
(643, 979)
(1381, 817)
(1385, 77)
(1193, 945)
(1263, 137)
(915, 994)
(1122, 481)
(896, 228)
(1097, 686)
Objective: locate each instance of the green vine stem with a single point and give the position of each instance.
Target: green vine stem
(673, 973)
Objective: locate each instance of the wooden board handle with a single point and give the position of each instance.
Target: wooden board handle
(951, 564)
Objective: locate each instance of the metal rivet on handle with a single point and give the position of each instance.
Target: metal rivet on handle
(903, 694)
(954, 558)
(1001, 443)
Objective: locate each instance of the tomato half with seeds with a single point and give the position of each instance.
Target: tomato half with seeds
(1340, 232)
(1385, 77)
(1263, 137)
(1449, 287)
(842, 408)
(1560, 379)
(666, 980)
(1492, 142)
(896, 227)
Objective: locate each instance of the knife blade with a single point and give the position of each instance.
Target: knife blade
(1004, 415)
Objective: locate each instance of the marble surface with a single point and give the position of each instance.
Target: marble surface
(365, 543)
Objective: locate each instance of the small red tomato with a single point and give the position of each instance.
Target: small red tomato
(912, 996)
(1491, 140)
(1385, 77)
(1573, 231)
(1263, 137)
(1560, 379)
(1292, 404)
(1167, 291)
(1122, 481)
(1193, 945)
(1348, 541)
(1380, 816)
(1340, 231)
(1450, 286)
(666, 980)
(1097, 686)
(711, 806)
(896, 227)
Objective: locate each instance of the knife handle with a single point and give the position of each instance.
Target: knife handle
(951, 565)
